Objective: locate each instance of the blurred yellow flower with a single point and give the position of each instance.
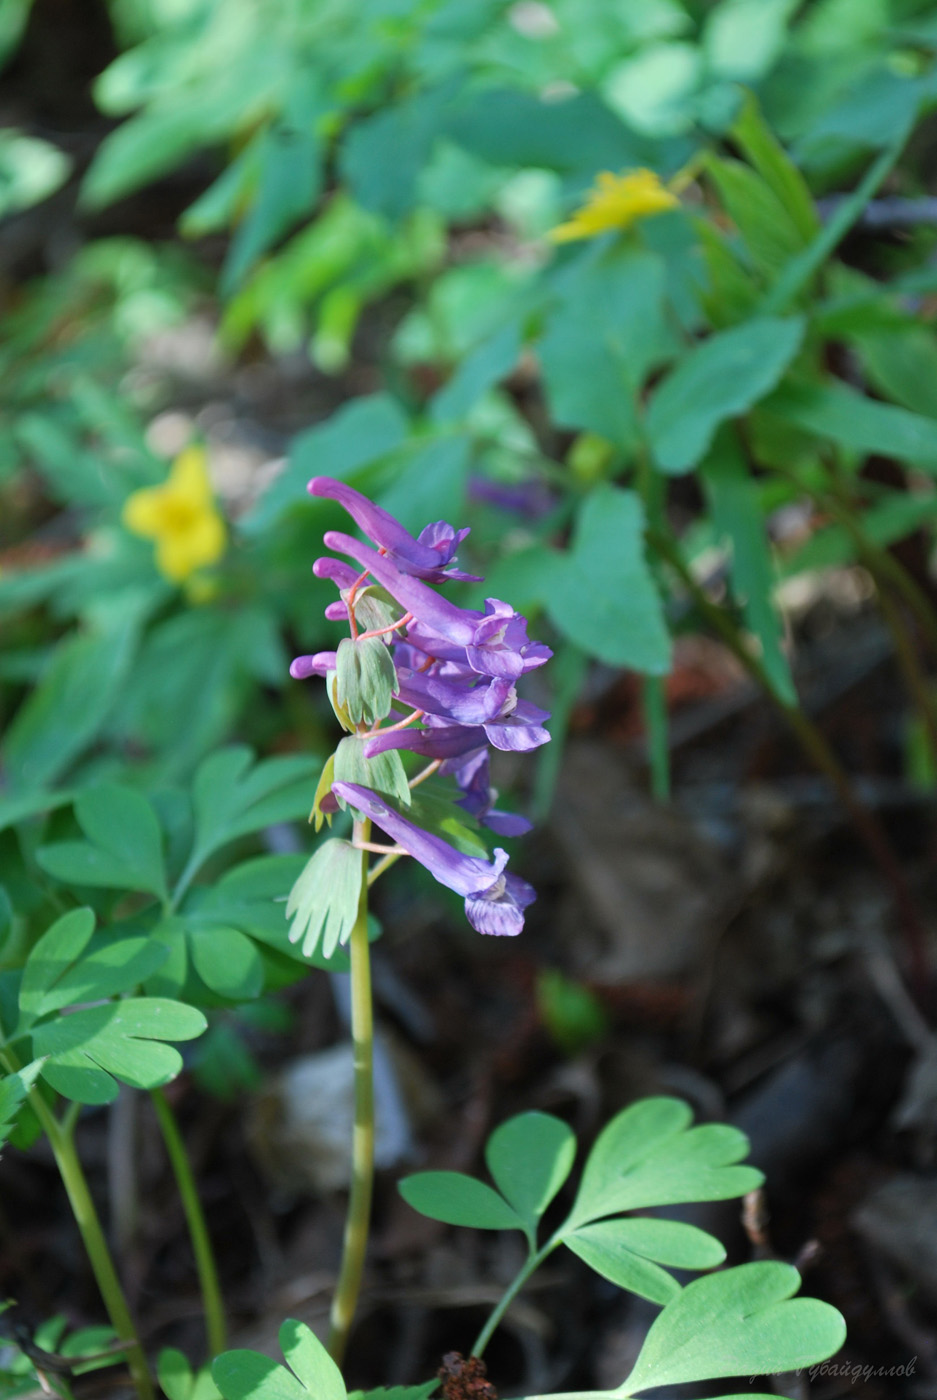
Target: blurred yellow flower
(617, 202)
(181, 516)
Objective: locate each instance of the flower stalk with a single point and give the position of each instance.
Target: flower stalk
(358, 1217)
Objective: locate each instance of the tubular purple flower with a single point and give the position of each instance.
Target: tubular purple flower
(455, 624)
(425, 557)
(320, 664)
(460, 704)
(494, 900)
(471, 773)
(446, 741)
(342, 575)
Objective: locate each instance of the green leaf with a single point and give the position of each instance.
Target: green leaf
(227, 962)
(736, 513)
(601, 594)
(578, 134)
(68, 708)
(742, 39)
(573, 1015)
(834, 410)
(396, 1392)
(30, 170)
(655, 90)
(233, 797)
(361, 431)
(608, 330)
(427, 481)
(529, 1157)
(13, 1091)
(903, 366)
(383, 156)
(483, 367)
(108, 971)
(178, 1380)
(648, 1156)
(121, 822)
(252, 898)
(768, 231)
(720, 379)
(248, 1375)
(741, 1322)
(623, 1251)
(89, 1050)
(289, 165)
(309, 1360)
(457, 1199)
(323, 903)
(55, 952)
(753, 135)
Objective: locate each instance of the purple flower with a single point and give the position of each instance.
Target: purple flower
(320, 664)
(495, 641)
(426, 557)
(494, 901)
(471, 773)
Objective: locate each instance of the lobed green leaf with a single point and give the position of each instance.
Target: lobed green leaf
(457, 1199)
(740, 1322)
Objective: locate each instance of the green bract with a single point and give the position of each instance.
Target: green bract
(365, 679)
(323, 903)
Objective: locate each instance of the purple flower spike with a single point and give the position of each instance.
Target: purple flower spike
(494, 901)
(425, 557)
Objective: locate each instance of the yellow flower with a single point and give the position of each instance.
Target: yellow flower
(617, 201)
(181, 516)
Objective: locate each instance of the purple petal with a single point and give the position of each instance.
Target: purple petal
(519, 731)
(499, 910)
(342, 575)
(448, 741)
(456, 624)
(318, 665)
(467, 875)
(424, 557)
(472, 776)
(337, 612)
(459, 703)
(506, 823)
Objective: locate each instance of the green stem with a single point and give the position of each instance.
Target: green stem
(357, 1220)
(212, 1301)
(523, 1274)
(86, 1217)
(818, 750)
(890, 577)
(801, 269)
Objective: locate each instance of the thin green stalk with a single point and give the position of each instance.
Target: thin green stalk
(654, 705)
(86, 1217)
(212, 1302)
(821, 754)
(802, 268)
(358, 1218)
(889, 576)
(523, 1274)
